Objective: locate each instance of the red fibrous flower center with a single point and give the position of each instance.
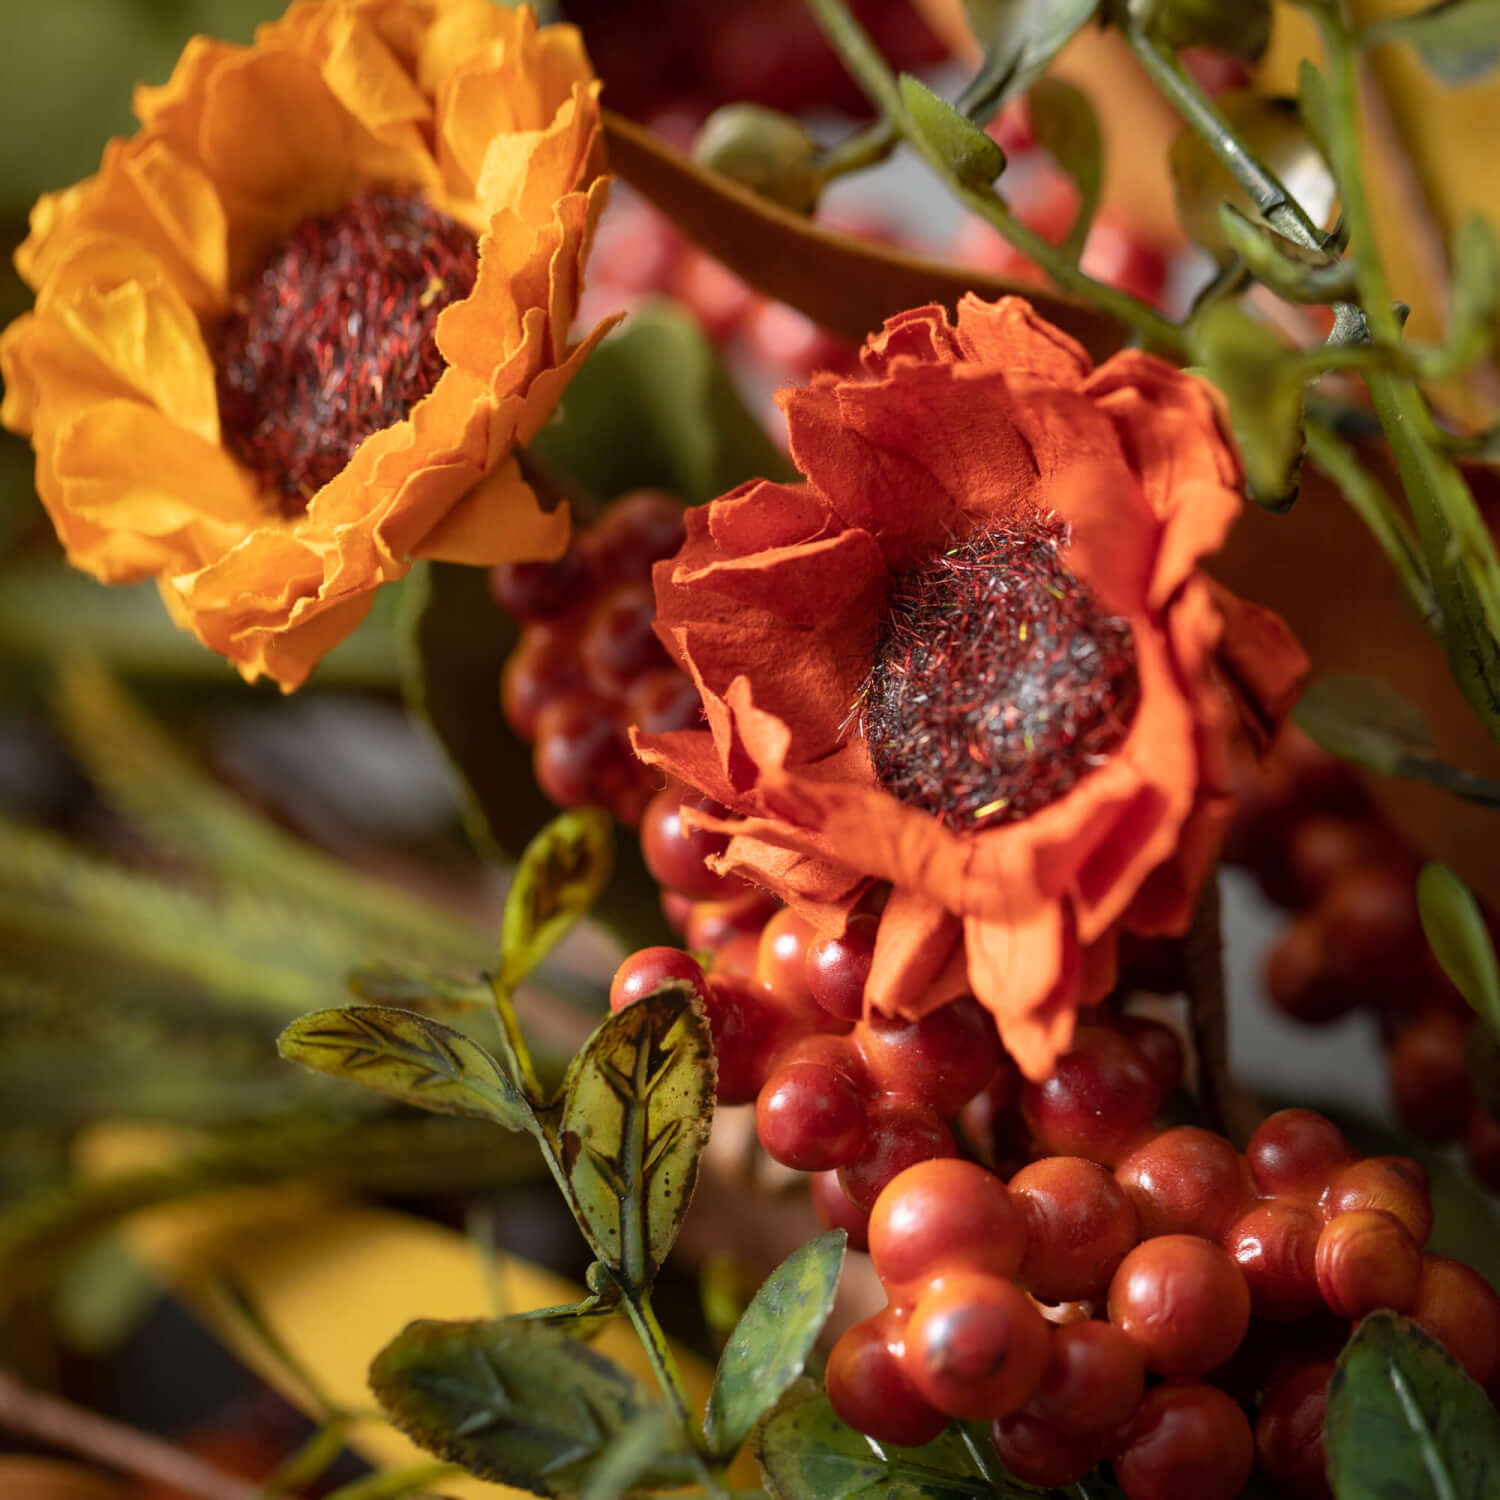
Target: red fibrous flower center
(998, 682)
(333, 338)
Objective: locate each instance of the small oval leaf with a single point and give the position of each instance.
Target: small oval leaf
(513, 1401)
(1459, 939)
(636, 1109)
(1364, 720)
(1063, 120)
(562, 872)
(970, 154)
(769, 1346)
(408, 1057)
(1404, 1420)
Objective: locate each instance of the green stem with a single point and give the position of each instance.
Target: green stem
(869, 69)
(865, 148)
(392, 1484)
(1453, 537)
(1382, 519)
(663, 1362)
(516, 1045)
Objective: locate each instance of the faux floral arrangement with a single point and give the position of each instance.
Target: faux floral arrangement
(889, 744)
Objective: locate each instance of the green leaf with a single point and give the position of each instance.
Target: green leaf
(1286, 268)
(1365, 720)
(635, 1115)
(1019, 39)
(808, 1454)
(1459, 40)
(513, 1401)
(653, 406)
(844, 283)
(1064, 122)
(563, 871)
(769, 1347)
(455, 641)
(1459, 939)
(1315, 107)
(1475, 294)
(410, 1058)
(630, 1458)
(1405, 1422)
(970, 154)
(1257, 374)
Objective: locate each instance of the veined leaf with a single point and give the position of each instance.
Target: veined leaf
(1404, 1420)
(410, 1058)
(562, 873)
(513, 1401)
(634, 1119)
(769, 1347)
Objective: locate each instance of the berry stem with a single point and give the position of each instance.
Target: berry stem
(1226, 1107)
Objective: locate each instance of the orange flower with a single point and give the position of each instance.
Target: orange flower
(291, 334)
(973, 656)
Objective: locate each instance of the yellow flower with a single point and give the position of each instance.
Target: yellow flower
(290, 335)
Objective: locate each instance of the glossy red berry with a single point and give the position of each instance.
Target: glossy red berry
(944, 1216)
(1079, 1226)
(1038, 1451)
(1295, 1152)
(618, 644)
(649, 968)
(835, 1211)
(1275, 1246)
(636, 532)
(1183, 1302)
(837, 967)
(711, 924)
(1159, 1047)
(1185, 1442)
(1365, 1260)
(976, 1347)
(748, 1034)
(1396, 1184)
(903, 1132)
(1429, 1078)
(1289, 1431)
(868, 1388)
(781, 960)
(810, 1117)
(662, 701)
(580, 756)
(945, 1058)
(1098, 1101)
(1095, 1377)
(1459, 1308)
(676, 855)
(1186, 1181)
(540, 590)
(543, 668)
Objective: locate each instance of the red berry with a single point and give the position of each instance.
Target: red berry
(1038, 1451)
(663, 701)
(1482, 1145)
(1098, 1101)
(869, 1390)
(675, 854)
(1366, 1259)
(632, 536)
(944, 1216)
(580, 755)
(1159, 1047)
(1396, 1184)
(1459, 1308)
(1186, 1181)
(1275, 1246)
(711, 924)
(1186, 1442)
(1095, 1377)
(976, 1347)
(649, 968)
(1295, 1152)
(943, 1059)
(902, 1132)
(781, 960)
(737, 956)
(540, 590)
(837, 967)
(1321, 849)
(1429, 1078)
(1302, 979)
(618, 644)
(1116, 254)
(810, 1117)
(1079, 1226)
(747, 1034)
(1289, 1431)
(543, 668)
(835, 1211)
(1184, 1303)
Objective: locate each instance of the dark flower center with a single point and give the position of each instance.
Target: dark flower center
(998, 682)
(333, 338)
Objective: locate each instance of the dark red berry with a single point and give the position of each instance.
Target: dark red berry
(664, 700)
(1275, 1246)
(748, 1033)
(1095, 1377)
(1294, 1152)
(1182, 1301)
(902, 1132)
(618, 644)
(1459, 1308)
(543, 669)
(580, 755)
(1429, 1078)
(1038, 1451)
(648, 969)
(810, 1117)
(1098, 1101)
(837, 967)
(1289, 1431)
(835, 1211)
(945, 1058)
(868, 1387)
(713, 923)
(676, 855)
(1079, 1226)
(1185, 1442)
(540, 590)
(1186, 1181)
(633, 534)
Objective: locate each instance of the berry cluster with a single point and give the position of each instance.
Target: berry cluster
(1044, 1306)
(1319, 847)
(588, 664)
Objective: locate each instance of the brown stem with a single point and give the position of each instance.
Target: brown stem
(1226, 1106)
(59, 1423)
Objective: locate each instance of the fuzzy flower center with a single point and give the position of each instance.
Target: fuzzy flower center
(998, 682)
(333, 338)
